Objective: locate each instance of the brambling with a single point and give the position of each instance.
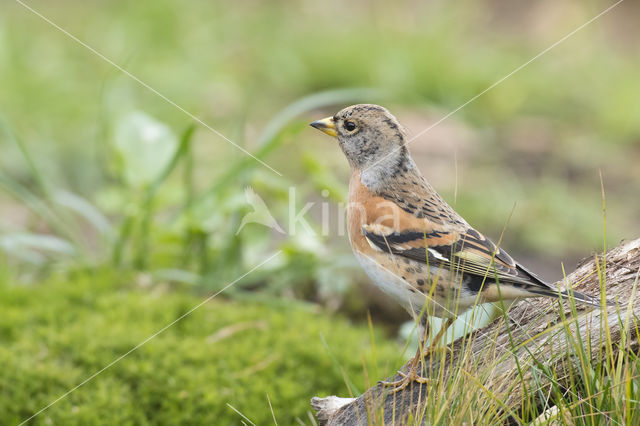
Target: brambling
(410, 242)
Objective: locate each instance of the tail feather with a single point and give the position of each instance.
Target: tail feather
(577, 296)
(539, 287)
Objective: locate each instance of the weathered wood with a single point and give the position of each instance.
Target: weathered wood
(536, 333)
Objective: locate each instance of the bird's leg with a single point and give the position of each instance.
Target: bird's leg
(412, 374)
(434, 342)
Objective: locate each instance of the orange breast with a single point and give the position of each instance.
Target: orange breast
(366, 208)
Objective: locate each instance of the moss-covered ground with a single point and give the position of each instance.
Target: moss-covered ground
(56, 335)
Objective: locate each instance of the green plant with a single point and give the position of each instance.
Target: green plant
(55, 336)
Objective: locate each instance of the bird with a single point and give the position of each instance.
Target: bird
(413, 245)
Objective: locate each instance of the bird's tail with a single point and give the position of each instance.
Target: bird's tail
(568, 295)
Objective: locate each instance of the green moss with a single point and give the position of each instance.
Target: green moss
(54, 336)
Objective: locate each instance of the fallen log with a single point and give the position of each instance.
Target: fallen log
(514, 366)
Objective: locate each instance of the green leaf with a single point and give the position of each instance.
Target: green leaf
(144, 146)
(33, 247)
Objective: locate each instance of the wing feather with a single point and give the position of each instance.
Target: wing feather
(467, 252)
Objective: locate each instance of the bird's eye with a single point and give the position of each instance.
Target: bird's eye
(350, 126)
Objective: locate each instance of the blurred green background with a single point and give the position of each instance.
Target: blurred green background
(119, 211)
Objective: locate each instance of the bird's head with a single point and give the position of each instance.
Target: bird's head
(370, 137)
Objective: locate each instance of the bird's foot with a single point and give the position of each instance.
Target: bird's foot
(407, 378)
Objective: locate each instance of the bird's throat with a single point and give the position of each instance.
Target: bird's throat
(388, 171)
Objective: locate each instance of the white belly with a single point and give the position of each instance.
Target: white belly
(410, 298)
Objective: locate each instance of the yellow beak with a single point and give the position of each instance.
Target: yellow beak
(326, 125)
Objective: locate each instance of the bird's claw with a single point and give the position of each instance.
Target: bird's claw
(407, 378)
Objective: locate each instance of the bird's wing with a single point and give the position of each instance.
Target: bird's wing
(464, 251)
(420, 225)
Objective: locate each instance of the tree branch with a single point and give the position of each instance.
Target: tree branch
(512, 363)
